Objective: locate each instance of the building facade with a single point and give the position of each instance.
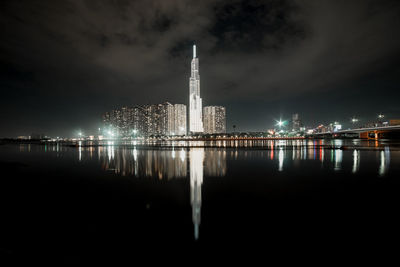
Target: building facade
(163, 119)
(180, 119)
(214, 119)
(195, 101)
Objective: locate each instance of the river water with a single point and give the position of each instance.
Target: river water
(101, 203)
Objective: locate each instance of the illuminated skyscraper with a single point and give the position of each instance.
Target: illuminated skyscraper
(195, 102)
(214, 119)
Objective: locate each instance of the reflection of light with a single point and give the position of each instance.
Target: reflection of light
(196, 180)
(382, 166)
(338, 159)
(110, 149)
(338, 142)
(173, 154)
(80, 151)
(385, 161)
(321, 152)
(182, 155)
(315, 149)
(356, 161)
(280, 159)
(134, 154)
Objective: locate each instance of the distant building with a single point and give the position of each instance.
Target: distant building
(214, 119)
(37, 136)
(296, 122)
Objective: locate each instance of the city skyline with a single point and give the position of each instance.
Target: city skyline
(262, 61)
(116, 150)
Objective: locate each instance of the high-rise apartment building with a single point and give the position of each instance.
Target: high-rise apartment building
(147, 120)
(214, 119)
(180, 119)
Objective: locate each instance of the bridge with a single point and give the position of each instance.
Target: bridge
(373, 133)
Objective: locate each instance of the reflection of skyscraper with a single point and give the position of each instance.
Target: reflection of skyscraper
(195, 102)
(196, 180)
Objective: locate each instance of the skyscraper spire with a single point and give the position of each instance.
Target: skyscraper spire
(194, 51)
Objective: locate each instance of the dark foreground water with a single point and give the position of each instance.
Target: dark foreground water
(115, 204)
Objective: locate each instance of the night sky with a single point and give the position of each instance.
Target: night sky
(64, 63)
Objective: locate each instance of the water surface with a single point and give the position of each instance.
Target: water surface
(98, 203)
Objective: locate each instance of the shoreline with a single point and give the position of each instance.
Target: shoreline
(394, 145)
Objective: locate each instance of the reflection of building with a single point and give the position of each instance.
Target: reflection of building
(215, 162)
(160, 164)
(196, 156)
(165, 164)
(195, 102)
(156, 163)
(214, 119)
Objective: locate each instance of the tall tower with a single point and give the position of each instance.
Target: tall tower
(195, 102)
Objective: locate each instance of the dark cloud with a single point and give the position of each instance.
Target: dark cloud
(63, 63)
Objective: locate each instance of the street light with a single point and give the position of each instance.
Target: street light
(354, 120)
(281, 123)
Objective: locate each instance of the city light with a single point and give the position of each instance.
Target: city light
(280, 123)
